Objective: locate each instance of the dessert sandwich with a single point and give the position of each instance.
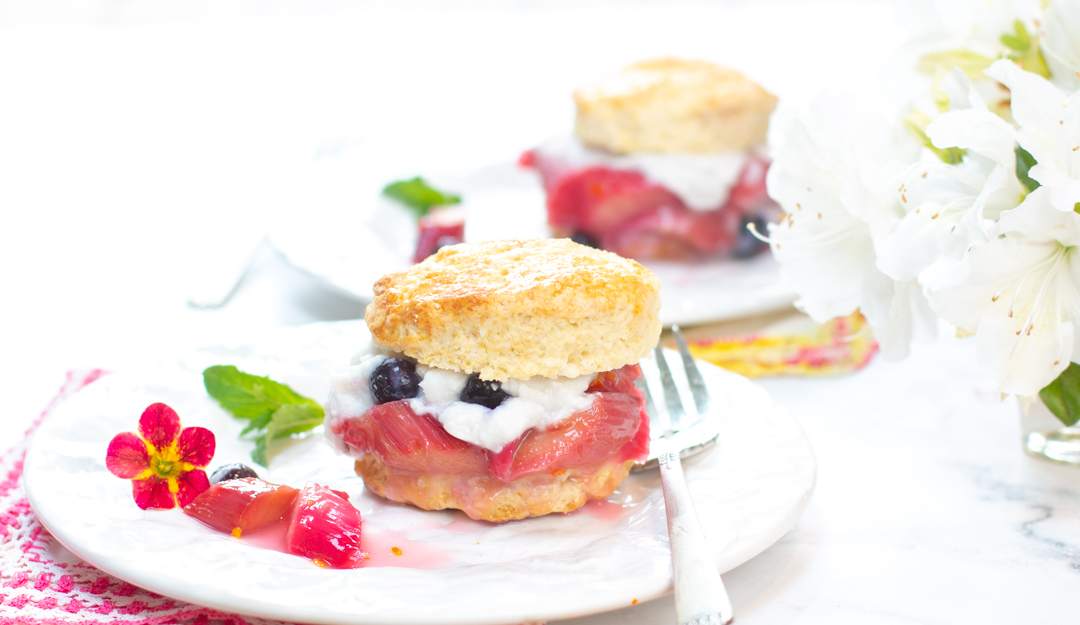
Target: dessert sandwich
(500, 379)
(667, 162)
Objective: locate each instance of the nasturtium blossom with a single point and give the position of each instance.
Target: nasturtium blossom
(164, 461)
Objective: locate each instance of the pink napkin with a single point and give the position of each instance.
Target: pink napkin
(42, 583)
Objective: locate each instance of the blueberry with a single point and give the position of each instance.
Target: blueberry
(585, 239)
(233, 471)
(747, 245)
(395, 379)
(488, 394)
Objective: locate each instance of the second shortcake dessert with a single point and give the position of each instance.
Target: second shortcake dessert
(500, 379)
(667, 162)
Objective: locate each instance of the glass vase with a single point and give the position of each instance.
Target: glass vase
(1044, 436)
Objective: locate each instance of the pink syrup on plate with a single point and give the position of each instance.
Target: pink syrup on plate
(391, 548)
(272, 537)
(383, 547)
(602, 510)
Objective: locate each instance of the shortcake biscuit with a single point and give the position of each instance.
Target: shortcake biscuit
(673, 105)
(519, 308)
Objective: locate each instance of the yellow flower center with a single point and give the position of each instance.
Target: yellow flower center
(165, 462)
(164, 468)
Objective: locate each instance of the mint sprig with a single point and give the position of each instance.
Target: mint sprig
(418, 195)
(275, 412)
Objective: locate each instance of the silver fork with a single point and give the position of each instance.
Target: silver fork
(700, 597)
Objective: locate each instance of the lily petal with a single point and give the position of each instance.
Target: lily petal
(1024, 358)
(1061, 42)
(831, 265)
(1064, 190)
(153, 492)
(1049, 130)
(1037, 218)
(1019, 294)
(945, 210)
(975, 129)
(910, 319)
(1000, 294)
(159, 425)
(196, 446)
(192, 484)
(961, 93)
(127, 456)
(832, 172)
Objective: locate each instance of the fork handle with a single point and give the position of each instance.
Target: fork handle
(700, 597)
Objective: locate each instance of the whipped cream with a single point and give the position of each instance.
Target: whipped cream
(537, 402)
(702, 181)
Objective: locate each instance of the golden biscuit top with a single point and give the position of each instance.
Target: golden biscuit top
(689, 97)
(519, 308)
(461, 273)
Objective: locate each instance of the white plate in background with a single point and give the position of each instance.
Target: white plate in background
(336, 226)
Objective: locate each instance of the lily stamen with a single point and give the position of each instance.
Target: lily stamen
(1055, 263)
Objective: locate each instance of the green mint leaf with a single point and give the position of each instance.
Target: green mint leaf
(258, 423)
(259, 453)
(289, 420)
(1025, 50)
(293, 419)
(1024, 162)
(274, 410)
(418, 195)
(248, 396)
(1062, 396)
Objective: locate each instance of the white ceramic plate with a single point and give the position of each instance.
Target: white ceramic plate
(749, 490)
(337, 227)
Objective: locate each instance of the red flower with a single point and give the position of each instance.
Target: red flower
(164, 462)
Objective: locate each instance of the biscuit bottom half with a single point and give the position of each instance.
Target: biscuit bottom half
(488, 498)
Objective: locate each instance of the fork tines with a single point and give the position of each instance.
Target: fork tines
(674, 405)
(702, 400)
(672, 428)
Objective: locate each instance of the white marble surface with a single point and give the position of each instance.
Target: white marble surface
(137, 143)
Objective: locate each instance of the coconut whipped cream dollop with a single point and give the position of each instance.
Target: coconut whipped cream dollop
(702, 181)
(537, 402)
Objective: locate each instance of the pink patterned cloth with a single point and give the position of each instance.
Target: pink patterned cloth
(41, 582)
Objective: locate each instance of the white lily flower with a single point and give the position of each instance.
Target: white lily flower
(832, 167)
(1049, 122)
(1019, 294)
(1060, 42)
(944, 34)
(970, 125)
(950, 208)
(974, 25)
(945, 214)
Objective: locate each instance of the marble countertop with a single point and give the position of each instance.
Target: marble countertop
(136, 149)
